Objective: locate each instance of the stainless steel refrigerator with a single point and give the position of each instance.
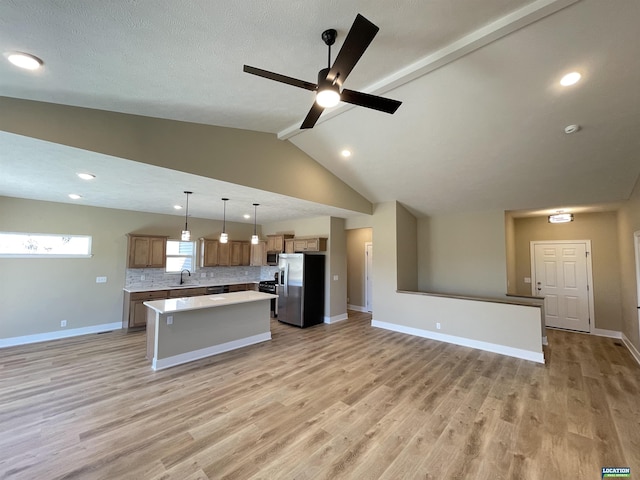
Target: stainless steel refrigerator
(301, 289)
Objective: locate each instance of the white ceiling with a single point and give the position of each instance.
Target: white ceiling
(480, 128)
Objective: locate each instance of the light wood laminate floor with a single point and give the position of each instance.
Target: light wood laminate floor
(333, 401)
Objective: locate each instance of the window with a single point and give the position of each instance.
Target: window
(44, 245)
(180, 255)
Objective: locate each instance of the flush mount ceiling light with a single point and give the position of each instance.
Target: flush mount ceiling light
(570, 79)
(24, 60)
(186, 234)
(86, 176)
(224, 238)
(75, 196)
(254, 237)
(345, 153)
(561, 218)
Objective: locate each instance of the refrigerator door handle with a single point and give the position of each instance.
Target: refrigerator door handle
(286, 280)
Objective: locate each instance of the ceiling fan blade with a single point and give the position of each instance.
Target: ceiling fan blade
(370, 101)
(313, 116)
(280, 78)
(358, 39)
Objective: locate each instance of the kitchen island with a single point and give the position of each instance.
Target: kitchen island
(181, 330)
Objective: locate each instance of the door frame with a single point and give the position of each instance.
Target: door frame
(368, 300)
(636, 248)
(533, 243)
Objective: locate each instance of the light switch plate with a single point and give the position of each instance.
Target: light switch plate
(335, 278)
(527, 279)
(203, 275)
(101, 279)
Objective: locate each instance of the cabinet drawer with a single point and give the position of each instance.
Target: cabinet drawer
(155, 295)
(187, 292)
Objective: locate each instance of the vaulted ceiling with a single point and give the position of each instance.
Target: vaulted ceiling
(481, 126)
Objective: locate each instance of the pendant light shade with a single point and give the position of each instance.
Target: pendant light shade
(254, 237)
(224, 238)
(186, 234)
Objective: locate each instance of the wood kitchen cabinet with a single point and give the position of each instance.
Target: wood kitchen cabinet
(209, 252)
(224, 254)
(288, 246)
(135, 312)
(147, 251)
(312, 244)
(240, 253)
(276, 243)
(258, 254)
(187, 292)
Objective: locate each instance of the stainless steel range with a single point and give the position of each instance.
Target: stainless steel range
(270, 286)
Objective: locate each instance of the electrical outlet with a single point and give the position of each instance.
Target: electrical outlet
(438, 325)
(527, 279)
(170, 320)
(63, 323)
(101, 279)
(142, 277)
(335, 278)
(203, 275)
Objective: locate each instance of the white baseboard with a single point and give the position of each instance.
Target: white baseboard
(209, 351)
(357, 308)
(336, 318)
(45, 337)
(465, 342)
(545, 341)
(601, 332)
(632, 349)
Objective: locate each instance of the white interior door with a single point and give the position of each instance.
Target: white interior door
(368, 272)
(561, 276)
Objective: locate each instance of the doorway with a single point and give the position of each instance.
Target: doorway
(561, 273)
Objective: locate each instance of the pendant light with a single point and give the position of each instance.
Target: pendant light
(254, 238)
(224, 238)
(186, 234)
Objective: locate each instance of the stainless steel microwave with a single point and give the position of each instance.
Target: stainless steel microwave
(272, 258)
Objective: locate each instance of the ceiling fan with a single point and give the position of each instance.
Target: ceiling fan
(330, 79)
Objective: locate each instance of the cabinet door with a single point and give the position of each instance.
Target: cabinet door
(259, 254)
(208, 252)
(278, 243)
(288, 246)
(271, 243)
(236, 253)
(138, 316)
(246, 254)
(313, 245)
(299, 245)
(139, 248)
(157, 252)
(224, 254)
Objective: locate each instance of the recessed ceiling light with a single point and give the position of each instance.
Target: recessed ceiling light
(570, 79)
(24, 60)
(345, 153)
(86, 176)
(571, 129)
(247, 216)
(178, 207)
(75, 196)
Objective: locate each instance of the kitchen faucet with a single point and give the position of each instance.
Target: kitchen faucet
(185, 270)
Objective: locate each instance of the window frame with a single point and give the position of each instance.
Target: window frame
(88, 253)
(192, 256)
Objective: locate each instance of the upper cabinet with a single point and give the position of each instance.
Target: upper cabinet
(258, 254)
(312, 244)
(208, 252)
(276, 243)
(147, 251)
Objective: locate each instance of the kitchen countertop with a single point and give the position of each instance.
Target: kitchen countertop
(206, 301)
(156, 288)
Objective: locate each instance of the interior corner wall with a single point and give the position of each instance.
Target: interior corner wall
(407, 251)
(37, 293)
(338, 269)
(463, 254)
(602, 229)
(356, 280)
(628, 223)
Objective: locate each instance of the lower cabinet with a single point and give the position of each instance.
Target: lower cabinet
(135, 312)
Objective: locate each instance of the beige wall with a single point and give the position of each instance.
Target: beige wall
(512, 328)
(510, 248)
(356, 280)
(37, 293)
(602, 230)
(629, 222)
(463, 254)
(237, 156)
(407, 249)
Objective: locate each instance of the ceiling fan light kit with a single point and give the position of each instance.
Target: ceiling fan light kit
(330, 79)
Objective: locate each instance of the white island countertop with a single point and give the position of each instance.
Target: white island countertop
(206, 301)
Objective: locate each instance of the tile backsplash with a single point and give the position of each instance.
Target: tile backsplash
(157, 277)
